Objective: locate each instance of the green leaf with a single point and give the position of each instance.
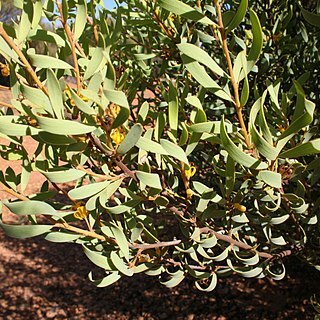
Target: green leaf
(97, 258)
(37, 14)
(131, 139)
(25, 22)
(59, 236)
(25, 231)
(201, 76)
(31, 207)
(96, 63)
(149, 179)
(230, 176)
(312, 18)
(120, 264)
(82, 105)
(143, 111)
(55, 94)
(237, 154)
(150, 146)
(37, 97)
(121, 240)
(62, 176)
(47, 36)
(88, 190)
(81, 19)
(174, 150)
(109, 191)
(302, 121)
(66, 127)
(257, 43)
(65, 9)
(9, 128)
(304, 149)
(144, 56)
(173, 108)
(210, 287)
(266, 149)
(245, 92)
(271, 178)
(197, 54)
(7, 52)
(175, 279)
(46, 62)
(184, 10)
(106, 281)
(211, 127)
(239, 15)
(56, 139)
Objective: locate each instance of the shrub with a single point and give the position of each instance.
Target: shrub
(183, 151)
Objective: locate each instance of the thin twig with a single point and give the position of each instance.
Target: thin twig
(118, 162)
(234, 83)
(232, 241)
(24, 60)
(100, 176)
(72, 44)
(7, 105)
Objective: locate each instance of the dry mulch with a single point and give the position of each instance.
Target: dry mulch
(43, 280)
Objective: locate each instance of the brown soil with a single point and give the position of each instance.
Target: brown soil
(43, 280)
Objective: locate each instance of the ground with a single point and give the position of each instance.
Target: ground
(43, 280)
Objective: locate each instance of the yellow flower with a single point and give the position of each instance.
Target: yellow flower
(113, 110)
(240, 207)
(117, 136)
(189, 193)
(5, 71)
(81, 213)
(190, 172)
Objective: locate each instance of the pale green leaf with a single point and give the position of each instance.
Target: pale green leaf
(174, 150)
(25, 231)
(46, 62)
(66, 127)
(197, 54)
(55, 94)
(81, 19)
(271, 178)
(131, 139)
(120, 264)
(182, 9)
(239, 15)
(237, 154)
(121, 240)
(304, 149)
(149, 179)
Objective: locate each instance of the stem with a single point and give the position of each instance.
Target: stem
(147, 246)
(100, 176)
(12, 192)
(230, 240)
(234, 83)
(156, 18)
(24, 60)
(73, 46)
(7, 105)
(118, 162)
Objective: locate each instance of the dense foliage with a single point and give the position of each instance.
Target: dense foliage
(187, 132)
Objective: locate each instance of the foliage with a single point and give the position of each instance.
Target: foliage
(189, 139)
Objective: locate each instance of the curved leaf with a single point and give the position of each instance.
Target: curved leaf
(237, 154)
